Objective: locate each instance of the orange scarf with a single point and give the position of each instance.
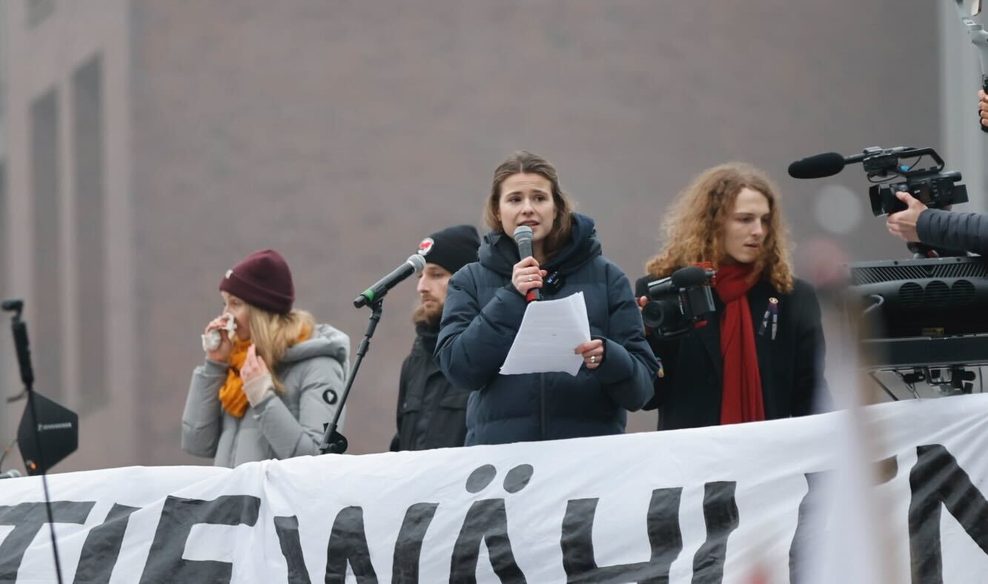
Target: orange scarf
(232, 396)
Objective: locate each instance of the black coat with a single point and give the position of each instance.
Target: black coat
(954, 231)
(431, 410)
(790, 360)
(482, 314)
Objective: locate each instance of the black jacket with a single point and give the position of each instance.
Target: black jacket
(790, 360)
(431, 411)
(482, 314)
(954, 231)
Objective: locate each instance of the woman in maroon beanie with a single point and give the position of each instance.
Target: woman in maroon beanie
(272, 376)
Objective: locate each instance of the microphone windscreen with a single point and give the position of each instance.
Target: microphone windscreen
(523, 237)
(418, 262)
(689, 277)
(818, 166)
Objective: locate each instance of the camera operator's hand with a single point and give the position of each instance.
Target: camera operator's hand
(642, 301)
(903, 223)
(983, 106)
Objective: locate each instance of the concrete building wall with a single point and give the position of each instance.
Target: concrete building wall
(50, 241)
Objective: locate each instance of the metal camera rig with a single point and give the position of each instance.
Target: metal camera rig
(929, 184)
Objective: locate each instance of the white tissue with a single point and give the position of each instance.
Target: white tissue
(211, 340)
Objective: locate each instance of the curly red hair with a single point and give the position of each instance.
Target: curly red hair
(694, 227)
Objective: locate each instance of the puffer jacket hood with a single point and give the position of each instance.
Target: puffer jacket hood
(499, 253)
(326, 341)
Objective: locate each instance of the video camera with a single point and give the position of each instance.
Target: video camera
(929, 184)
(678, 301)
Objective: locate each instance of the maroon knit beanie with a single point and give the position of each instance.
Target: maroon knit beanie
(262, 279)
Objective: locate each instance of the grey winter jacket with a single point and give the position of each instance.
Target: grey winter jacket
(284, 425)
(481, 317)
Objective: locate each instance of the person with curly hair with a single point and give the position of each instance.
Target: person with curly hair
(760, 356)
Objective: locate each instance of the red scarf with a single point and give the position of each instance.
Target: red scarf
(741, 399)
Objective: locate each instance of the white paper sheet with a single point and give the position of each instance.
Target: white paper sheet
(549, 332)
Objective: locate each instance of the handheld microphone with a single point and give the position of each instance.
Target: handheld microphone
(830, 163)
(413, 265)
(523, 237)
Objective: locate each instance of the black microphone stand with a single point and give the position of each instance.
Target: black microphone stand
(23, 347)
(332, 441)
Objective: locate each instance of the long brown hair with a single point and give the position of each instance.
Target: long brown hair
(272, 335)
(694, 227)
(525, 162)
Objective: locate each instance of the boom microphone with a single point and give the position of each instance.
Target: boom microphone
(818, 166)
(523, 237)
(830, 163)
(413, 265)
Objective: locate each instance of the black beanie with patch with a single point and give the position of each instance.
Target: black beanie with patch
(452, 248)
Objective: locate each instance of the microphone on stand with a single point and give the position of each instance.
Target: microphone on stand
(523, 237)
(413, 265)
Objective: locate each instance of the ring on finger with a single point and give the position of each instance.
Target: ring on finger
(531, 278)
(593, 358)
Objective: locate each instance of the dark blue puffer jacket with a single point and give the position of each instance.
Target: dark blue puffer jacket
(482, 314)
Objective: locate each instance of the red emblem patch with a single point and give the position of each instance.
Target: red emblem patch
(425, 246)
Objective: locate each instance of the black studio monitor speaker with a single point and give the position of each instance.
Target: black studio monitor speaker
(935, 297)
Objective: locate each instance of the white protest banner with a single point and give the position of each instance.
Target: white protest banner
(723, 504)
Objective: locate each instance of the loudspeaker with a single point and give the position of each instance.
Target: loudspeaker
(57, 430)
(936, 297)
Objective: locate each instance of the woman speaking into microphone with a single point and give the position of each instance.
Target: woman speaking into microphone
(486, 301)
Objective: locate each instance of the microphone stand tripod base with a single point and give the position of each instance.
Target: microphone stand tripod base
(335, 444)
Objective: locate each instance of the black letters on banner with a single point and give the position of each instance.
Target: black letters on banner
(165, 563)
(27, 519)
(408, 547)
(720, 514)
(487, 521)
(664, 537)
(348, 544)
(937, 480)
(291, 548)
(102, 546)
